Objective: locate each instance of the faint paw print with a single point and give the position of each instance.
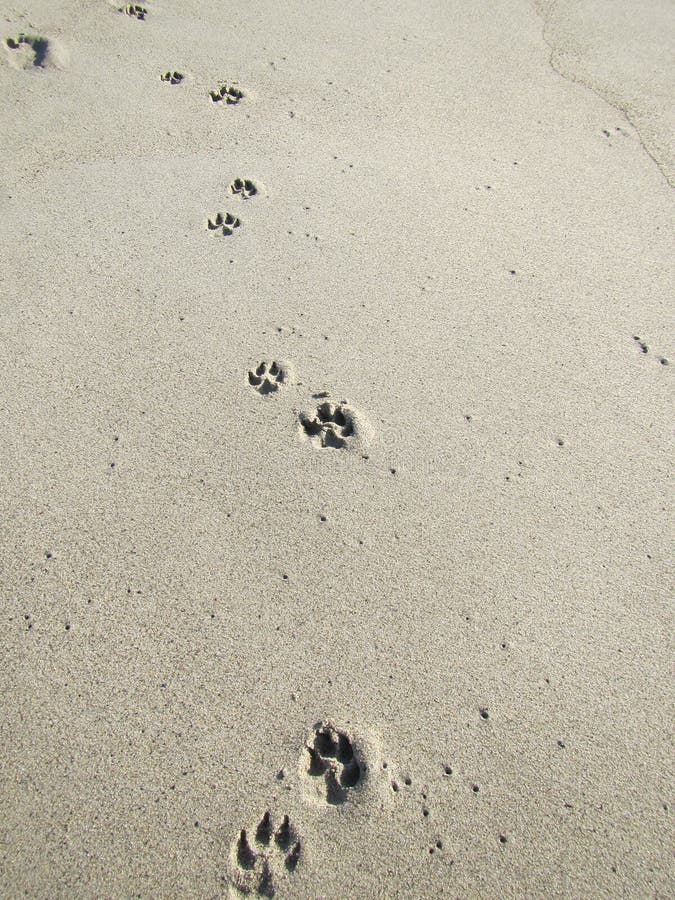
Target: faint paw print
(244, 188)
(226, 93)
(223, 223)
(257, 866)
(267, 379)
(331, 426)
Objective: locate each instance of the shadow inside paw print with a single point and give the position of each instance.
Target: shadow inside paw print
(257, 864)
(172, 77)
(244, 188)
(331, 426)
(136, 11)
(36, 47)
(332, 758)
(267, 379)
(223, 223)
(226, 93)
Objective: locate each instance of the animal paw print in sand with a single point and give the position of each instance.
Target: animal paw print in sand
(257, 865)
(34, 48)
(172, 77)
(226, 93)
(225, 224)
(136, 11)
(331, 426)
(332, 761)
(267, 379)
(244, 188)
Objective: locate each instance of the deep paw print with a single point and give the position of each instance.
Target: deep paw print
(257, 865)
(136, 11)
(172, 77)
(244, 188)
(225, 224)
(33, 47)
(332, 425)
(226, 93)
(267, 379)
(333, 762)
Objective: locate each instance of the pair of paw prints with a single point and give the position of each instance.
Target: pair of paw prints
(243, 188)
(261, 863)
(331, 425)
(257, 864)
(227, 93)
(135, 11)
(223, 223)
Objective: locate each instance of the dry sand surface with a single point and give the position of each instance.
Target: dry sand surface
(334, 512)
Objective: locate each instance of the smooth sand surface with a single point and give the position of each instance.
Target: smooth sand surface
(408, 586)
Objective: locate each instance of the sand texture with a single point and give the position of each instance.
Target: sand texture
(335, 442)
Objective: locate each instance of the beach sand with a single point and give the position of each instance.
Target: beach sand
(350, 507)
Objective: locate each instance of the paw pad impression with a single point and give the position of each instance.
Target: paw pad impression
(258, 862)
(36, 47)
(333, 761)
(28, 50)
(172, 77)
(226, 93)
(267, 378)
(224, 223)
(244, 188)
(136, 11)
(332, 425)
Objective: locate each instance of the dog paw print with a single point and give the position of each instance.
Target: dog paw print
(244, 188)
(267, 379)
(332, 425)
(273, 854)
(226, 93)
(136, 11)
(225, 224)
(34, 48)
(172, 77)
(332, 763)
